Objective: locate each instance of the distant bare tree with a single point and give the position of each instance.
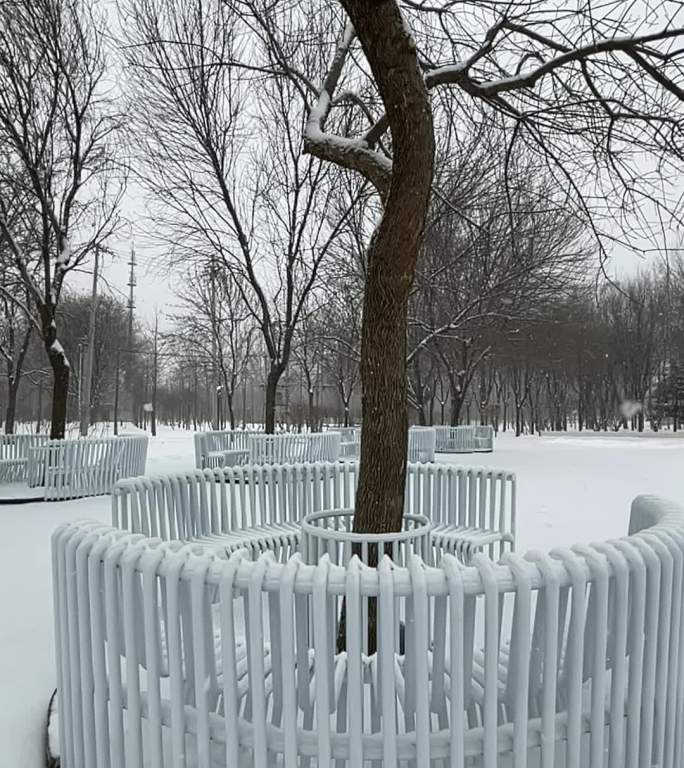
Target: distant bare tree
(634, 319)
(59, 175)
(518, 250)
(215, 324)
(16, 330)
(224, 160)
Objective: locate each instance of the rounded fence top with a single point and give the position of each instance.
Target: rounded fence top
(655, 522)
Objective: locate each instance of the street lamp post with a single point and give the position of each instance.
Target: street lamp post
(219, 404)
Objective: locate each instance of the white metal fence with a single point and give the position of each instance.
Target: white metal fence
(229, 448)
(211, 446)
(262, 504)
(421, 444)
(294, 448)
(331, 533)
(466, 439)
(168, 657)
(89, 466)
(14, 452)
(350, 444)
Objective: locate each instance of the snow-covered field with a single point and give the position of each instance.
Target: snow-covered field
(574, 488)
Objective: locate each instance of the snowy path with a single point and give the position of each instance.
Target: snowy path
(570, 489)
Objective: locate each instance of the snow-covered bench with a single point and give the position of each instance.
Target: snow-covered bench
(230, 448)
(466, 439)
(89, 466)
(350, 442)
(421, 444)
(291, 448)
(261, 507)
(573, 658)
(14, 451)
(220, 448)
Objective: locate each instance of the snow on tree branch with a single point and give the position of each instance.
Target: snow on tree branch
(354, 154)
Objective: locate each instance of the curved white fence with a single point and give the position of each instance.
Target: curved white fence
(331, 533)
(289, 448)
(421, 444)
(350, 443)
(466, 439)
(220, 448)
(230, 448)
(167, 656)
(470, 508)
(89, 466)
(14, 452)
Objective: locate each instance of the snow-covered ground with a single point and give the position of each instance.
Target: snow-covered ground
(573, 488)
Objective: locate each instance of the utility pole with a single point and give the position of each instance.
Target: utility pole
(116, 392)
(90, 352)
(213, 405)
(153, 417)
(40, 404)
(80, 377)
(131, 306)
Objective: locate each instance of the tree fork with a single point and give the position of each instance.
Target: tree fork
(60, 373)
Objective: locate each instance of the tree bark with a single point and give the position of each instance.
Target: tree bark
(457, 396)
(61, 370)
(60, 390)
(391, 53)
(274, 374)
(10, 412)
(310, 404)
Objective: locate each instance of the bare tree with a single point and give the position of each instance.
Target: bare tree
(56, 125)
(633, 315)
(587, 89)
(16, 331)
(518, 250)
(224, 160)
(215, 324)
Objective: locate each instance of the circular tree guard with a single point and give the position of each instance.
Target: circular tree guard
(331, 532)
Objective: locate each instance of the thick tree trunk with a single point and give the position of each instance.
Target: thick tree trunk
(391, 53)
(231, 409)
(60, 372)
(60, 390)
(346, 412)
(456, 399)
(274, 374)
(311, 408)
(10, 412)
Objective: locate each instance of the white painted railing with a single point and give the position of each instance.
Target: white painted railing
(166, 656)
(14, 451)
(470, 508)
(89, 466)
(350, 443)
(331, 533)
(211, 447)
(466, 439)
(421, 444)
(292, 448)
(230, 448)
